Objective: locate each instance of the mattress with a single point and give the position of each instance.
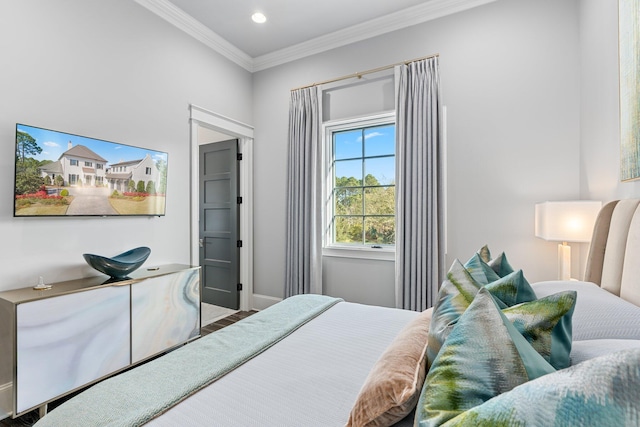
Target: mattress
(311, 378)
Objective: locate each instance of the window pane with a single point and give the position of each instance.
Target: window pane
(380, 230)
(348, 173)
(348, 229)
(380, 171)
(380, 141)
(348, 201)
(380, 201)
(363, 192)
(347, 144)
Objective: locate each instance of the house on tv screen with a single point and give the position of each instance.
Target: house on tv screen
(124, 176)
(80, 165)
(77, 166)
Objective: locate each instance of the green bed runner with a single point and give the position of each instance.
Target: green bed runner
(136, 396)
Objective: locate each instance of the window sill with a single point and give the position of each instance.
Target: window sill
(360, 253)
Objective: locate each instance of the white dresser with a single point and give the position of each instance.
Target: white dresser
(80, 331)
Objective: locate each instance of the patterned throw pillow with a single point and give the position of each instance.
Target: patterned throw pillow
(480, 270)
(484, 356)
(485, 272)
(603, 392)
(546, 323)
(500, 265)
(485, 253)
(459, 290)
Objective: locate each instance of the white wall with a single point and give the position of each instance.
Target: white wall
(510, 81)
(510, 77)
(113, 71)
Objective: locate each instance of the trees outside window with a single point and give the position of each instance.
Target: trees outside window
(362, 183)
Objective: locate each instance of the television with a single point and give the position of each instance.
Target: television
(62, 174)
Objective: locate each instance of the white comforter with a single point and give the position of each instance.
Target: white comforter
(312, 378)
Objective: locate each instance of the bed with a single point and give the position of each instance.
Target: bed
(314, 360)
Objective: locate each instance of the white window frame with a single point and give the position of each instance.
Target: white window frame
(386, 253)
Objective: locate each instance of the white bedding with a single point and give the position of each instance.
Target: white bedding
(309, 383)
(589, 349)
(313, 377)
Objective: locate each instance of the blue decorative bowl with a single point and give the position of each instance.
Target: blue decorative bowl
(121, 265)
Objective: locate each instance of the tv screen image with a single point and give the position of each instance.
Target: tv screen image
(62, 174)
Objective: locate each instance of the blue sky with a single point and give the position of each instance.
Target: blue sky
(378, 141)
(55, 143)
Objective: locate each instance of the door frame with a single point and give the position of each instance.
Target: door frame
(229, 128)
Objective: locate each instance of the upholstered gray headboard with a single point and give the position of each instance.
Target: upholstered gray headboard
(614, 257)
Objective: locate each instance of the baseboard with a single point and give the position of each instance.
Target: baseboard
(260, 302)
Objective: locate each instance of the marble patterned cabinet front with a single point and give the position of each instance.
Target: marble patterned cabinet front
(80, 331)
(165, 312)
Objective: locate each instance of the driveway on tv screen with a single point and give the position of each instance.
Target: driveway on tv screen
(90, 201)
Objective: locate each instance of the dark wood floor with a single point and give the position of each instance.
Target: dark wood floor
(30, 418)
(219, 324)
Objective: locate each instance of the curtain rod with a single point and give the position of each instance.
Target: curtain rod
(362, 73)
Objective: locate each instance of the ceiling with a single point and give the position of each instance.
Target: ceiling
(289, 22)
(294, 28)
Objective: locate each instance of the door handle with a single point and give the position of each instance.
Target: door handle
(201, 243)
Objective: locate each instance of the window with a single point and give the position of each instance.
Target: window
(73, 162)
(99, 166)
(148, 171)
(361, 183)
(88, 164)
(73, 179)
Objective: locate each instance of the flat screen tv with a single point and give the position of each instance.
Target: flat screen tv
(62, 174)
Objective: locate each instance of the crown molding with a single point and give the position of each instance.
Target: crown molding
(427, 11)
(404, 18)
(176, 16)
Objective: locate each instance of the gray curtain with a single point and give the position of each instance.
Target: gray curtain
(303, 268)
(419, 186)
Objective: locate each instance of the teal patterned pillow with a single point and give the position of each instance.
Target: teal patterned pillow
(480, 270)
(485, 253)
(483, 356)
(455, 295)
(512, 289)
(485, 272)
(459, 290)
(500, 265)
(546, 324)
(561, 335)
(603, 392)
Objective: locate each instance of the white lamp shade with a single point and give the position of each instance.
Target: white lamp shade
(570, 221)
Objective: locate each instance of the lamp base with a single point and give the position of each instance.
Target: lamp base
(564, 261)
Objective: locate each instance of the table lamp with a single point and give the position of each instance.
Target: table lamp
(567, 221)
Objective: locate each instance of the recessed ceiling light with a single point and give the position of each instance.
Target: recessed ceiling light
(259, 18)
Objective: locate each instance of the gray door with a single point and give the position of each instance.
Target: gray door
(219, 225)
